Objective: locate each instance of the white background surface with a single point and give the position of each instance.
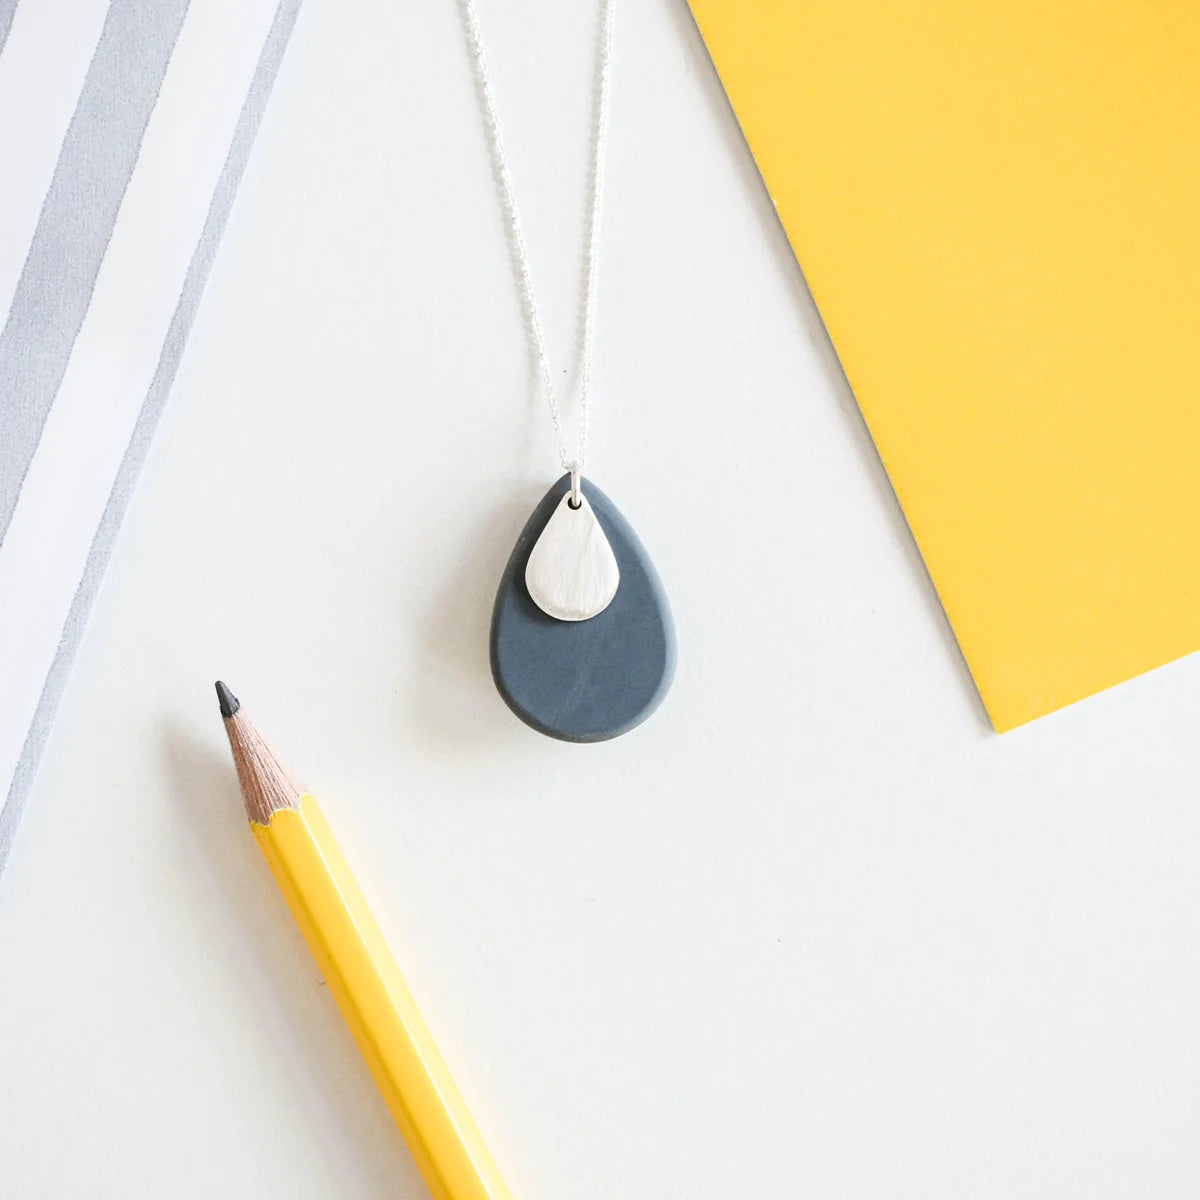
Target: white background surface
(813, 931)
(116, 351)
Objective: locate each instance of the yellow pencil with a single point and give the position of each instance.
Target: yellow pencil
(359, 969)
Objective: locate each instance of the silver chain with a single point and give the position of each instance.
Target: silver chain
(518, 241)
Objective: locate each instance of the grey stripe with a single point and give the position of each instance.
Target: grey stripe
(97, 157)
(7, 9)
(152, 407)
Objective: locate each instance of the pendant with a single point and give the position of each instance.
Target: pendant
(582, 643)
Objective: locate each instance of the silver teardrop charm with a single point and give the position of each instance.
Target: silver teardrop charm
(572, 573)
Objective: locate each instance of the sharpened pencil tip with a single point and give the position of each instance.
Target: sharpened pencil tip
(228, 701)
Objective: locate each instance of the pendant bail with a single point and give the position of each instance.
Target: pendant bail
(575, 500)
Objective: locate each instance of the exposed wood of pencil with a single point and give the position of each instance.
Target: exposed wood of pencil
(267, 785)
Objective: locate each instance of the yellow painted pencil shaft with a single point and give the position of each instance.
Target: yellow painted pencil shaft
(377, 1005)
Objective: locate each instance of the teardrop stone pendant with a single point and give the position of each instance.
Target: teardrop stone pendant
(582, 644)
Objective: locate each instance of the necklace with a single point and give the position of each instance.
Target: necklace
(582, 641)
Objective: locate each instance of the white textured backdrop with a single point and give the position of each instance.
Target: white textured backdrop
(812, 931)
(125, 132)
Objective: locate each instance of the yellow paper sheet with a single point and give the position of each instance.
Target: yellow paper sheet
(996, 204)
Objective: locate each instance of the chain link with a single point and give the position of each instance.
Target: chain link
(524, 279)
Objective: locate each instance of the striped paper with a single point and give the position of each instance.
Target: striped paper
(124, 131)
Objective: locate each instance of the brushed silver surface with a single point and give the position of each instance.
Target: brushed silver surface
(572, 573)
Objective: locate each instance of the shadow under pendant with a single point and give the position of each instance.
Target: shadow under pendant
(605, 663)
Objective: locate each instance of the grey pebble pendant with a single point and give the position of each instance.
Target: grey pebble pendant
(575, 677)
